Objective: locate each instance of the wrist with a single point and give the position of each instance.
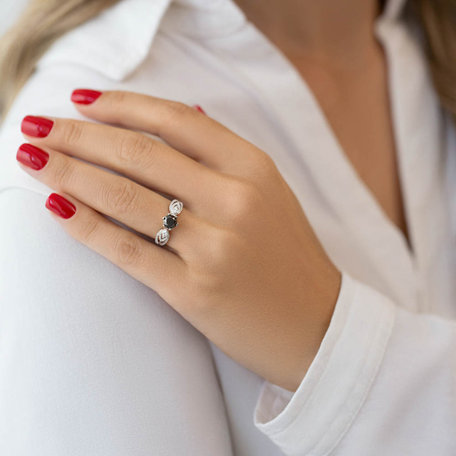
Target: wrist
(323, 312)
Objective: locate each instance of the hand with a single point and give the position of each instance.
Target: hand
(243, 265)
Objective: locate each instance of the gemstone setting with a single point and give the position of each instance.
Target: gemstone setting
(169, 221)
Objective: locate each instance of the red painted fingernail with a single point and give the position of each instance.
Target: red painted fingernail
(84, 96)
(60, 206)
(38, 127)
(199, 108)
(32, 156)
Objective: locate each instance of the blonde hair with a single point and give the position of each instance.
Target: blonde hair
(438, 23)
(44, 21)
(41, 23)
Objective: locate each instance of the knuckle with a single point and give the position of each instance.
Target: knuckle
(134, 150)
(71, 131)
(209, 273)
(88, 229)
(202, 288)
(121, 197)
(224, 244)
(264, 163)
(175, 111)
(63, 172)
(260, 166)
(127, 250)
(242, 200)
(219, 248)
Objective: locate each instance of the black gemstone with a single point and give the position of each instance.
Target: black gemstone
(170, 221)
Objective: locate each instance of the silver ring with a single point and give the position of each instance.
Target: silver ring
(169, 222)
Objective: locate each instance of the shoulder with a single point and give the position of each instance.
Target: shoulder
(113, 43)
(100, 53)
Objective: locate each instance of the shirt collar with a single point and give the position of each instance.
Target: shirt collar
(117, 41)
(113, 43)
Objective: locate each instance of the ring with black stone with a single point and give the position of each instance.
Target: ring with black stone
(169, 222)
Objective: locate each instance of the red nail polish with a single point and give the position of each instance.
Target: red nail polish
(84, 96)
(60, 206)
(32, 156)
(37, 127)
(199, 108)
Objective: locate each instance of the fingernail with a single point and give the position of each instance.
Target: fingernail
(37, 127)
(199, 108)
(60, 206)
(32, 156)
(84, 96)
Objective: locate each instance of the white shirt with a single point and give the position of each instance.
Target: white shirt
(92, 362)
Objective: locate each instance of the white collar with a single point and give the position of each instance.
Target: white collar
(113, 43)
(117, 41)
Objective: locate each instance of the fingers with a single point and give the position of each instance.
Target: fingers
(183, 127)
(150, 264)
(143, 159)
(116, 196)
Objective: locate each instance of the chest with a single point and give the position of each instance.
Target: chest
(356, 105)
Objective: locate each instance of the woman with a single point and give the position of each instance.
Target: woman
(307, 239)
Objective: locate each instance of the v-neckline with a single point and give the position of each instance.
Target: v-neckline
(344, 161)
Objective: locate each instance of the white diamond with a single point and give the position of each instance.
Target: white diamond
(175, 207)
(162, 237)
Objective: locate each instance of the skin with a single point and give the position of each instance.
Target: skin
(266, 300)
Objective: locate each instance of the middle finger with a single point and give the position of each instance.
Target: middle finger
(147, 161)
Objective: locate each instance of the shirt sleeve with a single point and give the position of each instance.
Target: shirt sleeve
(382, 383)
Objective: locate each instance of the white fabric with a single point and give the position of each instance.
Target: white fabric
(94, 363)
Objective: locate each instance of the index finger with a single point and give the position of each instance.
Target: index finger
(183, 127)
